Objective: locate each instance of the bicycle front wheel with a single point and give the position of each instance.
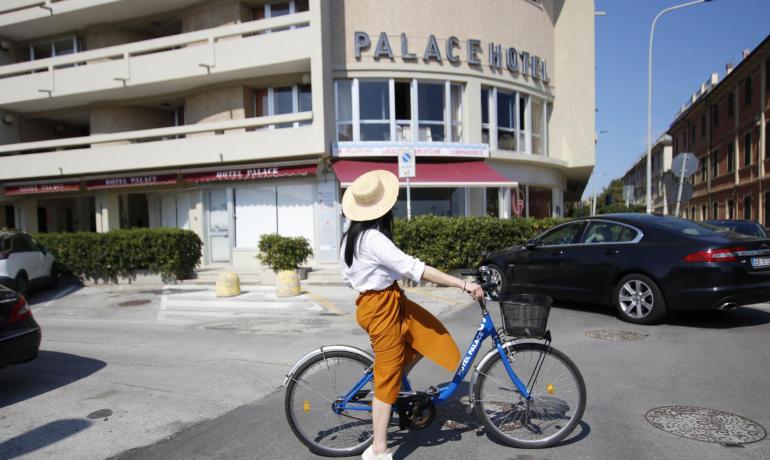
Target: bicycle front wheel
(557, 396)
(310, 398)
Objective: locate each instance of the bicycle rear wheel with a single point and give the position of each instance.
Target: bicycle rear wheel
(309, 400)
(557, 390)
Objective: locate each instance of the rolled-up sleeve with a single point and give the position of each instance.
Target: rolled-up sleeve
(387, 254)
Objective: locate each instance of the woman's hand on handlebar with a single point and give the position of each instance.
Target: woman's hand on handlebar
(475, 291)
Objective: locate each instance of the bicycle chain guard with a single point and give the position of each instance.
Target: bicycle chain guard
(416, 411)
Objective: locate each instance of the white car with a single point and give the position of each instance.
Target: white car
(25, 264)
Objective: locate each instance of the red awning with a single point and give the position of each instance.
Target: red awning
(455, 174)
(131, 181)
(37, 189)
(248, 174)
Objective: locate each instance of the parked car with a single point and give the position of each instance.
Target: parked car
(19, 333)
(746, 227)
(25, 264)
(643, 264)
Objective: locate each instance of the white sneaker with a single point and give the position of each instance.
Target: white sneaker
(370, 455)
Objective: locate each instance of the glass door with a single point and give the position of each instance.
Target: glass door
(219, 225)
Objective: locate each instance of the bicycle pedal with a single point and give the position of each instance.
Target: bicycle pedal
(432, 390)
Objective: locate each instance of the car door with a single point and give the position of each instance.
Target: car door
(543, 267)
(597, 258)
(32, 258)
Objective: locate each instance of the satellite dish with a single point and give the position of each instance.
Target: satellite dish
(684, 165)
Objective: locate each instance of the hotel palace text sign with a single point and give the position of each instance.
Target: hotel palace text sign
(498, 57)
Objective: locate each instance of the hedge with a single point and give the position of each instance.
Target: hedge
(172, 253)
(459, 242)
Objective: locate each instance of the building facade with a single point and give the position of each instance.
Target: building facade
(726, 125)
(236, 118)
(635, 179)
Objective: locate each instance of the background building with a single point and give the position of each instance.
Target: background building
(726, 125)
(235, 118)
(635, 179)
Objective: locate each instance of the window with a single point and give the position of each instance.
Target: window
(767, 209)
(767, 74)
(747, 91)
(385, 110)
(704, 212)
(566, 234)
(607, 232)
(374, 110)
(730, 157)
(692, 134)
(730, 104)
(767, 138)
(730, 209)
(283, 100)
(53, 48)
(278, 9)
(715, 114)
(715, 163)
(344, 110)
(430, 111)
(747, 207)
(703, 169)
(747, 149)
(521, 121)
(703, 125)
(715, 210)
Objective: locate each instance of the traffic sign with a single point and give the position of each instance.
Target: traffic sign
(406, 164)
(684, 165)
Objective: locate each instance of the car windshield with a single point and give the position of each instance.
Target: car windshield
(686, 227)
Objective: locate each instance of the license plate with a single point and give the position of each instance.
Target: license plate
(760, 262)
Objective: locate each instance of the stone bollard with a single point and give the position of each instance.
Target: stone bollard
(228, 284)
(287, 284)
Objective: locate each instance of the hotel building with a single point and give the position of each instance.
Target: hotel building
(236, 118)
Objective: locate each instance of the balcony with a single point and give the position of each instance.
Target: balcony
(159, 66)
(164, 148)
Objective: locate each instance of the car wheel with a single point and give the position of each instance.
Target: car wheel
(21, 284)
(497, 277)
(53, 277)
(639, 300)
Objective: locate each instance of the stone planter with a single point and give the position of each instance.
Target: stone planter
(287, 284)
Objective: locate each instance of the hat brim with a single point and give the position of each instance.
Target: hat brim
(356, 212)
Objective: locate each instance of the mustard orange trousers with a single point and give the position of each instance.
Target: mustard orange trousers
(399, 329)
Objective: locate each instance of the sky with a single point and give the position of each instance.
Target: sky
(689, 44)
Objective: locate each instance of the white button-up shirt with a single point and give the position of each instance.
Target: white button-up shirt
(377, 263)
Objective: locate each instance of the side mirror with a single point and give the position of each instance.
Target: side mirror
(531, 244)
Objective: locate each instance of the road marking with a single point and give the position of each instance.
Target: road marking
(59, 296)
(326, 303)
(420, 292)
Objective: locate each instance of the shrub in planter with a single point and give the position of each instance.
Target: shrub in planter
(172, 253)
(283, 255)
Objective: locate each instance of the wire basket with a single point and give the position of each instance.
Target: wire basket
(525, 315)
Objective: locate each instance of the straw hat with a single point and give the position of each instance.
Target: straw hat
(370, 196)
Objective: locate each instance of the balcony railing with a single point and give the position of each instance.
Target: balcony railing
(152, 134)
(126, 52)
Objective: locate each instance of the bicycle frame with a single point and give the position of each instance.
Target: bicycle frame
(486, 329)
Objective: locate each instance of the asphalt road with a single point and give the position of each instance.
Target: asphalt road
(712, 360)
(174, 374)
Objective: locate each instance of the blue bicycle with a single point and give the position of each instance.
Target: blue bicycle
(526, 394)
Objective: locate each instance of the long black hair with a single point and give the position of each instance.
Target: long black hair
(357, 228)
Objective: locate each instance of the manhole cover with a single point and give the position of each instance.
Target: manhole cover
(101, 413)
(705, 424)
(616, 336)
(134, 303)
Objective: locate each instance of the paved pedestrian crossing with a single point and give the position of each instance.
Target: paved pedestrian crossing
(196, 304)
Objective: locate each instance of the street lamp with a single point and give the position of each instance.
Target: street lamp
(649, 97)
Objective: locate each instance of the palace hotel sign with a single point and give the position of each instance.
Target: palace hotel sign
(498, 57)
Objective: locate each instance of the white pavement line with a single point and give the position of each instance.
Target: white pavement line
(58, 296)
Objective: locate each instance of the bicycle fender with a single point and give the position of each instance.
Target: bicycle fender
(321, 350)
(481, 363)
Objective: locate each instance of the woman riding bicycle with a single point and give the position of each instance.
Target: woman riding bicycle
(401, 332)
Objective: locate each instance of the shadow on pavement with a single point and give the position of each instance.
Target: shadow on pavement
(49, 371)
(41, 437)
(65, 287)
(715, 319)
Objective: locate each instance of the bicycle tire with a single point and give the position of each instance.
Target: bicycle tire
(548, 408)
(299, 407)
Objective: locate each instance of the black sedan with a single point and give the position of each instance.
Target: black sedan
(643, 264)
(19, 332)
